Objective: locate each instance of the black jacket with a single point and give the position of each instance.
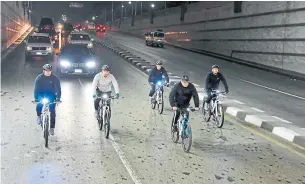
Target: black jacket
(181, 96)
(212, 81)
(47, 86)
(155, 75)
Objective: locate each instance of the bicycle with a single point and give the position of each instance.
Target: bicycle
(46, 117)
(216, 109)
(104, 114)
(157, 98)
(184, 128)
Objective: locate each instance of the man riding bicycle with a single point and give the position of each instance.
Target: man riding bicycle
(155, 75)
(47, 85)
(212, 83)
(181, 95)
(102, 83)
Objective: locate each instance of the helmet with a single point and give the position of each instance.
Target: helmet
(159, 63)
(215, 66)
(185, 78)
(47, 67)
(106, 67)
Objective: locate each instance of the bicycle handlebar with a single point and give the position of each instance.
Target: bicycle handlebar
(54, 102)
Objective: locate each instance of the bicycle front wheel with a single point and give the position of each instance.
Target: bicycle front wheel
(46, 131)
(174, 133)
(107, 125)
(187, 138)
(206, 113)
(160, 103)
(220, 116)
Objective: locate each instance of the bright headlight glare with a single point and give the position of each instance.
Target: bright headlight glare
(90, 44)
(90, 64)
(159, 83)
(49, 48)
(28, 48)
(105, 96)
(45, 100)
(64, 63)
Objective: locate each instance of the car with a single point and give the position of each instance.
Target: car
(47, 26)
(76, 59)
(155, 38)
(39, 44)
(100, 28)
(80, 38)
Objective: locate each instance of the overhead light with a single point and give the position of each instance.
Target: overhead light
(129, 2)
(152, 5)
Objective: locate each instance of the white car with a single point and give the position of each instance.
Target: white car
(39, 44)
(81, 38)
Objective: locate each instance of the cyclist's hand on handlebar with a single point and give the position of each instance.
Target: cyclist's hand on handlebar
(174, 108)
(94, 96)
(117, 96)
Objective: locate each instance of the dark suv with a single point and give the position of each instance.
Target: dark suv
(47, 26)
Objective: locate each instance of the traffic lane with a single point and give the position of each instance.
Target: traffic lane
(204, 62)
(78, 153)
(274, 103)
(217, 155)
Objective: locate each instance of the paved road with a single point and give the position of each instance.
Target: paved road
(277, 95)
(140, 148)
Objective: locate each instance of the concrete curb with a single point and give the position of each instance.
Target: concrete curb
(14, 45)
(234, 108)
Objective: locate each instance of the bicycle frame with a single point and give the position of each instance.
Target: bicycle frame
(215, 101)
(44, 114)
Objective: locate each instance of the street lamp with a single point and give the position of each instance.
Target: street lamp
(122, 6)
(87, 21)
(129, 2)
(152, 5)
(93, 18)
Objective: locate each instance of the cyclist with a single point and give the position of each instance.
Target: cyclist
(155, 75)
(47, 85)
(212, 83)
(181, 95)
(102, 83)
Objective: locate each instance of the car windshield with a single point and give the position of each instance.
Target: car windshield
(80, 37)
(75, 50)
(39, 39)
(159, 34)
(46, 21)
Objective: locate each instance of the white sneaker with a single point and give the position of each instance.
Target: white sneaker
(39, 121)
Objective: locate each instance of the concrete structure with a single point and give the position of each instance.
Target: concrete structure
(15, 20)
(268, 33)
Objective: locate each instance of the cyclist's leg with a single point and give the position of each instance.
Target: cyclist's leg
(208, 99)
(38, 112)
(152, 91)
(53, 114)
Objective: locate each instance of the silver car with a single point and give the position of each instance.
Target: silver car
(39, 44)
(81, 38)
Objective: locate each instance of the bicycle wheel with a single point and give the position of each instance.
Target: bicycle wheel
(107, 125)
(175, 134)
(206, 114)
(153, 102)
(46, 131)
(187, 138)
(100, 120)
(160, 103)
(220, 118)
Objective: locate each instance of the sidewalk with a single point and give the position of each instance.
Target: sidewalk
(14, 45)
(239, 110)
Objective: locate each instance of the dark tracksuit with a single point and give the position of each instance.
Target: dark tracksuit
(155, 75)
(212, 83)
(180, 97)
(49, 87)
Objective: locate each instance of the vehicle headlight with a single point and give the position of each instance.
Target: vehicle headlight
(45, 100)
(28, 48)
(49, 49)
(90, 64)
(64, 63)
(90, 44)
(105, 96)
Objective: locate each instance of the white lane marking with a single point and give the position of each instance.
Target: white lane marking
(285, 133)
(256, 109)
(124, 161)
(174, 76)
(201, 96)
(285, 121)
(121, 154)
(233, 110)
(254, 120)
(196, 85)
(279, 91)
(239, 102)
(303, 128)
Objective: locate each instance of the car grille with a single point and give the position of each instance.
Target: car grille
(39, 48)
(79, 65)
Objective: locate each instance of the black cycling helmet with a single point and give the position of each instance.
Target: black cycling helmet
(159, 62)
(215, 66)
(47, 67)
(185, 78)
(106, 67)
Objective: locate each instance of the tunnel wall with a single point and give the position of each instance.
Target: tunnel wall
(15, 20)
(269, 33)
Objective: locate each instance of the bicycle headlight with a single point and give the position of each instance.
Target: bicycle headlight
(90, 64)
(105, 96)
(64, 63)
(45, 100)
(159, 83)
